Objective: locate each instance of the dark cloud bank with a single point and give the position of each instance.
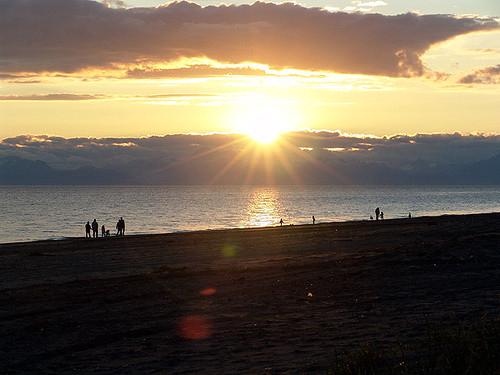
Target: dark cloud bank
(486, 76)
(302, 157)
(70, 35)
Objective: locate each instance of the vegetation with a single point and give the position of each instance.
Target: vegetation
(473, 350)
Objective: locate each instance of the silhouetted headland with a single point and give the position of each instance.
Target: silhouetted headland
(263, 300)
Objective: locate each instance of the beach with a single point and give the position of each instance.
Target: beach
(262, 300)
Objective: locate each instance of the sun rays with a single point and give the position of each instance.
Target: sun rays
(264, 163)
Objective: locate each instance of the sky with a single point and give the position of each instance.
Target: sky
(77, 68)
(480, 7)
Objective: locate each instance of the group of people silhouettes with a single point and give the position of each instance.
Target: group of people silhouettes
(120, 225)
(120, 229)
(378, 214)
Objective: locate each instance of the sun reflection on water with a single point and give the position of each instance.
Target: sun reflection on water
(263, 208)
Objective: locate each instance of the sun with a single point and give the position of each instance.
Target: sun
(264, 119)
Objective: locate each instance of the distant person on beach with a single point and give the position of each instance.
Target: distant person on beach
(409, 215)
(381, 216)
(120, 227)
(371, 217)
(87, 230)
(103, 231)
(377, 213)
(281, 221)
(314, 220)
(95, 229)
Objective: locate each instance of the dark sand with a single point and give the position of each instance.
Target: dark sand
(123, 305)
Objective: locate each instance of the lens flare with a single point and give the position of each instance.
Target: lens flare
(195, 327)
(207, 292)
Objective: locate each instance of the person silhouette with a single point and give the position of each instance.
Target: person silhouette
(371, 217)
(281, 222)
(409, 215)
(377, 213)
(103, 231)
(87, 230)
(381, 216)
(314, 220)
(119, 228)
(95, 229)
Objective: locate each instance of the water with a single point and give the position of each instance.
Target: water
(51, 212)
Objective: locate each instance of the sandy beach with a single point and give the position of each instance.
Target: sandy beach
(271, 300)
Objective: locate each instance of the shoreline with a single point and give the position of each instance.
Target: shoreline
(212, 230)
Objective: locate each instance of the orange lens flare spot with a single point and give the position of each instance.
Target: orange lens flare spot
(195, 327)
(207, 292)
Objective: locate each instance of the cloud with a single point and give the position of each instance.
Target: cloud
(193, 71)
(83, 97)
(301, 157)
(26, 81)
(487, 76)
(364, 6)
(68, 36)
(370, 4)
(51, 97)
(114, 3)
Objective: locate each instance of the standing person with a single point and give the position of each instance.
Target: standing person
(314, 220)
(123, 226)
(381, 216)
(409, 215)
(119, 228)
(103, 231)
(87, 230)
(281, 222)
(95, 229)
(377, 213)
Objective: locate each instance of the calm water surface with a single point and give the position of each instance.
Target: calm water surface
(33, 213)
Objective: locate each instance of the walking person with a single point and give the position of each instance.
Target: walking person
(103, 231)
(314, 220)
(281, 222)
(87, 230)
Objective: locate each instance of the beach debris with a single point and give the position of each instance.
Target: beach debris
(195, 327)
(309, 295)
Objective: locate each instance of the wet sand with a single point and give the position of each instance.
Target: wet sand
(271, 300)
